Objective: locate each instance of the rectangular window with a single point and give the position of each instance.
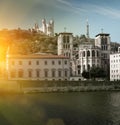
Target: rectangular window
(65, 62)
(78, 71)
(45, 62)
(53, 62)
(30, 73)
(29, 62)
(37, 73)
(46, 73)
(66, 73)
(59, 74)
(53, 73)
(37, 62)
(59, 62)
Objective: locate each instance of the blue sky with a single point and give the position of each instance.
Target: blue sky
(71, 14)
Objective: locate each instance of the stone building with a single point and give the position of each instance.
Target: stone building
(38, 67)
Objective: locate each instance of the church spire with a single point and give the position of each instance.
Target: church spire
(87, 29)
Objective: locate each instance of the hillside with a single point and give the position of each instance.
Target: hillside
(25, 42)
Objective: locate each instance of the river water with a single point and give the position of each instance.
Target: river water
(78, 108)
(85, 108)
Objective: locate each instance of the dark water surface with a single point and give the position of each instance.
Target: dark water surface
(80, 108)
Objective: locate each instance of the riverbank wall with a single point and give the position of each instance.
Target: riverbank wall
(68, 86)
(23, 86)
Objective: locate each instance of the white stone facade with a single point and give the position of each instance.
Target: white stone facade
(115, 67)
(38, 67)
(88, 56)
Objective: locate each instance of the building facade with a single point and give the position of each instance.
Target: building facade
(38, 67)
(87, 55)
(115, 66)
(102, 40)
(65, 44)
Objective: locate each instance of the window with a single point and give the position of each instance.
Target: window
(78, 66)
(83, 53)
(30, 73)
(59, 73)
(20, 62)
(20, 73)
(64, 39)
(97, 54)
(53, 73)
(37, 62)
(68, 39)
(29, 62)
(66, 73)
(53, 62)
(78, 71)
(46, 73)
(45, 62)
(88, 53)
(93, 53)
(65, 62)
(37, 73)
(59, 62)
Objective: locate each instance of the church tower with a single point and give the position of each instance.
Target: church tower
(102, 40)
(65, 44)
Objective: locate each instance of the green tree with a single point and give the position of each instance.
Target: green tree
(86, 74)
(97, 72)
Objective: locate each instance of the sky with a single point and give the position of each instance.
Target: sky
(72, 14)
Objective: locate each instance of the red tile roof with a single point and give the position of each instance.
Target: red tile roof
(38, 56)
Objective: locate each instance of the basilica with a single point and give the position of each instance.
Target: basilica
(46, 28)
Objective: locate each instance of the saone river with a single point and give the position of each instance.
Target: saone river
(79, 108)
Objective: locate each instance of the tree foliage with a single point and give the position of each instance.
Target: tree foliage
(95, 72)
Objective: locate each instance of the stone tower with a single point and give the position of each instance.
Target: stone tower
(65, 44)
(50, 28)
(102, 40)
(44, 26)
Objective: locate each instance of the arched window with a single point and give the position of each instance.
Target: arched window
(64, 40)
(68, 39)
(97, 54)
(105, 40)
(88, 53)
(93, 53)
(102, 40)
(83, 53)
